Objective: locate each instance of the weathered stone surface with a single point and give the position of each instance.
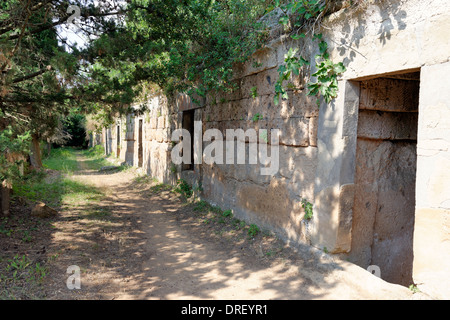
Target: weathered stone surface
(153, 122)
(394, 95)
(431, 248)
(325, 219)
(387, 125)
(364, 207)
(432, 227)
(184, 103)
(271, 206)
(330, 144)
(266, 82)
(161, 122)
(344, 232)
(332, 220)
(384, 207)
(247, 85)
(293, 131)
(351, 108)
(373, 41)
(313, 126)
(157, 162)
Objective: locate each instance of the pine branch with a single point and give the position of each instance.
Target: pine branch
(32, 75)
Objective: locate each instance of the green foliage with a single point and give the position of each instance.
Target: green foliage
(75, 125)
(54, 190)
(42, 76)
(62, 159)
(156, 46)
(20, 270)
(253, 230)
(201, 206)
(256, 64)
(189, 46)
(291, 67)
(307, 13)
(308, 206)
(35, 70)
(160, 187)
(39, 272)
(326, 74)
(18, 264)
(96, 151)
(10, 143)
(414, 288)
(6, 231)
(96, 158)
(26, 236)
(303, 9)
(227, 213)
(257, 117)
(173, 169)
(254, 92)
(183, 188)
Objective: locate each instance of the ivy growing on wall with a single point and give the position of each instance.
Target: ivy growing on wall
(303, 17)
(327, 72)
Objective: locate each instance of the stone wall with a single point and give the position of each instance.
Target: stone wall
(432, 220)
(95, 138)
(143, 139)
(397, 59)
(273, 202)
(391, 38)
(159, 123)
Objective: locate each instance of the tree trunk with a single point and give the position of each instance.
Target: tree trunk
(35, 157)
(49, 147)
(5, 192)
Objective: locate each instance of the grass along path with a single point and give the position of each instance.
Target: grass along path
(134, 238)
(28, 253)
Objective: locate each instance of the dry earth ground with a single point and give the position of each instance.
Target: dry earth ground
(143, 241)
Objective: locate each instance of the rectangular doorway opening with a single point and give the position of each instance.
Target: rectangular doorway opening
(385, 176)
(188, 124)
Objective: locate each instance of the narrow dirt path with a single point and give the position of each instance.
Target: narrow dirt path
(153, 246)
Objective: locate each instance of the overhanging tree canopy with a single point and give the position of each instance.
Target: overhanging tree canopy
(178, 45)
(39, 78)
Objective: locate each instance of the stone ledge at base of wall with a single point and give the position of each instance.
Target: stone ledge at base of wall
(431, 270)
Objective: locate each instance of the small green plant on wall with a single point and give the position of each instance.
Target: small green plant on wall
(257, 117)
(308, 206)
(254, 92)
